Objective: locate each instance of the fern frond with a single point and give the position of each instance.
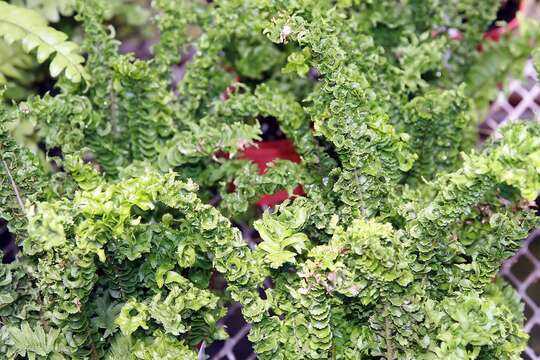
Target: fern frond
(52, 10)
(34, 340)
(30, 28)
(14, 64)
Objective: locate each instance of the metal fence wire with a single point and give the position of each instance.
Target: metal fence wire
(522, 271)
(519, 100)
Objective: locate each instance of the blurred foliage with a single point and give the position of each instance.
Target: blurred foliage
(20, 73)
(27, 28)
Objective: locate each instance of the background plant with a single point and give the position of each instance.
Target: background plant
(21, 73)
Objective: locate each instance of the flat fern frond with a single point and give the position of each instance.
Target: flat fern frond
(14, 64)
(52, 10)
(30, 28)
(33, 341)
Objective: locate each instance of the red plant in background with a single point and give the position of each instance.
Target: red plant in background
(496, 33)
(263, 153)
(493, 34)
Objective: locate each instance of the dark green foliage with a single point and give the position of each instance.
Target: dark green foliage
(391, 254)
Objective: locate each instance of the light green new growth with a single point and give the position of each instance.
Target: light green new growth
(28, 27)
(393, 251)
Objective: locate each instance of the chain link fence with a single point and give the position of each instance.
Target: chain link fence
(522, 271)
(520, 100)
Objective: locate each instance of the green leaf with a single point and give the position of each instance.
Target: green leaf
(33, 340)
(28, 27)
(132, 316)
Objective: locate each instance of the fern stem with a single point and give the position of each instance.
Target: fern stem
(360, 195)
(14, 187)
(93, 352)
(390, 352)
(114, 112)
(42, 318)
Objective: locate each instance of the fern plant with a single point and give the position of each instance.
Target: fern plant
(52, 10)
(28, 27)
(393, 251)
(19, 71)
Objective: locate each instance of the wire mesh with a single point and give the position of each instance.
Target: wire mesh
(520, 100)
(522, 271)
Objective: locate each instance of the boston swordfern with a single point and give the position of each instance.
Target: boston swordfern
(393, 251)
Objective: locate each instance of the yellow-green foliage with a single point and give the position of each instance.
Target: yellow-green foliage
(30, 29)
